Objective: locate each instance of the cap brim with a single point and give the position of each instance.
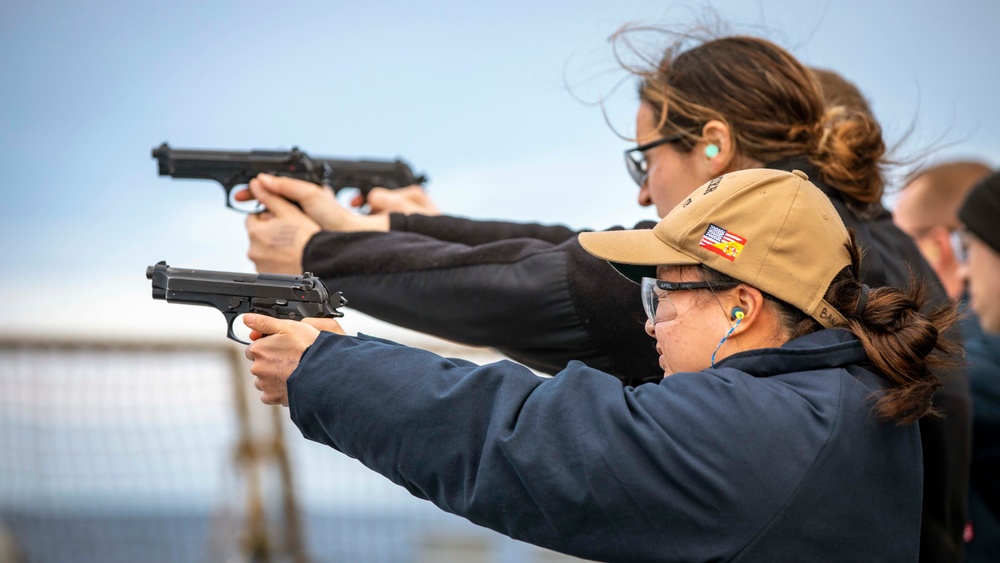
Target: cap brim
(635, 254)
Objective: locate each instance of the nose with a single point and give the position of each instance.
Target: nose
(644, 198)
(650, 328)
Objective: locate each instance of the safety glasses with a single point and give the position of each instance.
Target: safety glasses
(656, 297)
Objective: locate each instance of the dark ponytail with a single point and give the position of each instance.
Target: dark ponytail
(904, 342)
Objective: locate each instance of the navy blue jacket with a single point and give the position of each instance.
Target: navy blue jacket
(773, 455)
(533, 293)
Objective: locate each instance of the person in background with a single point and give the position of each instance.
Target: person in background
(790, 439)
(838, 91)
(980, 215)
(927, 210)
(705, 108)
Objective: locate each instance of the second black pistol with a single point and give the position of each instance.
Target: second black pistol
(235, 168)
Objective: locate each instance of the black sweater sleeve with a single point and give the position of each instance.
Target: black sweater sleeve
(472, 232)
(539, 298)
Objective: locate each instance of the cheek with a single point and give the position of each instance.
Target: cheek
(988, 314)
(687, 344)
(983, 274)
(659, 189)
(984, 288)
(664, 335)
(666, 191)
(670, 183)
(673, 342)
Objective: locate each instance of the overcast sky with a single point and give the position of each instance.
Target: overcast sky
(490, 100)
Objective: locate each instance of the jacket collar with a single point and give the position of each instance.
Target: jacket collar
(824, 349)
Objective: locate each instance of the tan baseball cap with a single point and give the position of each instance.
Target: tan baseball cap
(770, 229)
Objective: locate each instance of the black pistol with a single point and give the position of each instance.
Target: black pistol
(233, 294)
(235, 168)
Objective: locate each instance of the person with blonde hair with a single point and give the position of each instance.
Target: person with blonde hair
(706, 108)
(781, 429)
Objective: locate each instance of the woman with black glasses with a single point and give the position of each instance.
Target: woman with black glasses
(534, 294)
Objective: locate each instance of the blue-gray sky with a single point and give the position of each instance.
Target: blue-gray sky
(473, 94)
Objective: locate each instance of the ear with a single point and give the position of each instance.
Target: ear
(941, 237)
(750, 301)
(716, 133)
(930, 249)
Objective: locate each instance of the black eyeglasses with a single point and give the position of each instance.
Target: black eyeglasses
(635, 158)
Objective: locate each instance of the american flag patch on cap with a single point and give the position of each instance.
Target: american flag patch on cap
(722, 242)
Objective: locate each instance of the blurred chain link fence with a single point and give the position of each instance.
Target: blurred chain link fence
(116, 451)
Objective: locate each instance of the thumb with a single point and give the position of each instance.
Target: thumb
(376, 196)
(411, 199)
(274, 203)
(328, 325)
(263, 324)
(292, 189)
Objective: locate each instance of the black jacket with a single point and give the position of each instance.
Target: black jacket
(772, 455)
(534, 294)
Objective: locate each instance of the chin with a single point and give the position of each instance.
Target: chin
(989, 321)
(989, 326)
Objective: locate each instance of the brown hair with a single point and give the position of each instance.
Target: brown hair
(773, 105)
(902, 343)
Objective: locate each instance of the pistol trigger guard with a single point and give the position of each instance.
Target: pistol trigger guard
(230, 186)
(230, 319)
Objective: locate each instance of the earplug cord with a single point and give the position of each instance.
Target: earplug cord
(739, 317)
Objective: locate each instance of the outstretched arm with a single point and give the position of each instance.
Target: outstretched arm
(540, 303)
(575, 463)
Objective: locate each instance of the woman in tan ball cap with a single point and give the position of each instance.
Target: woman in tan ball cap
(782, 430)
